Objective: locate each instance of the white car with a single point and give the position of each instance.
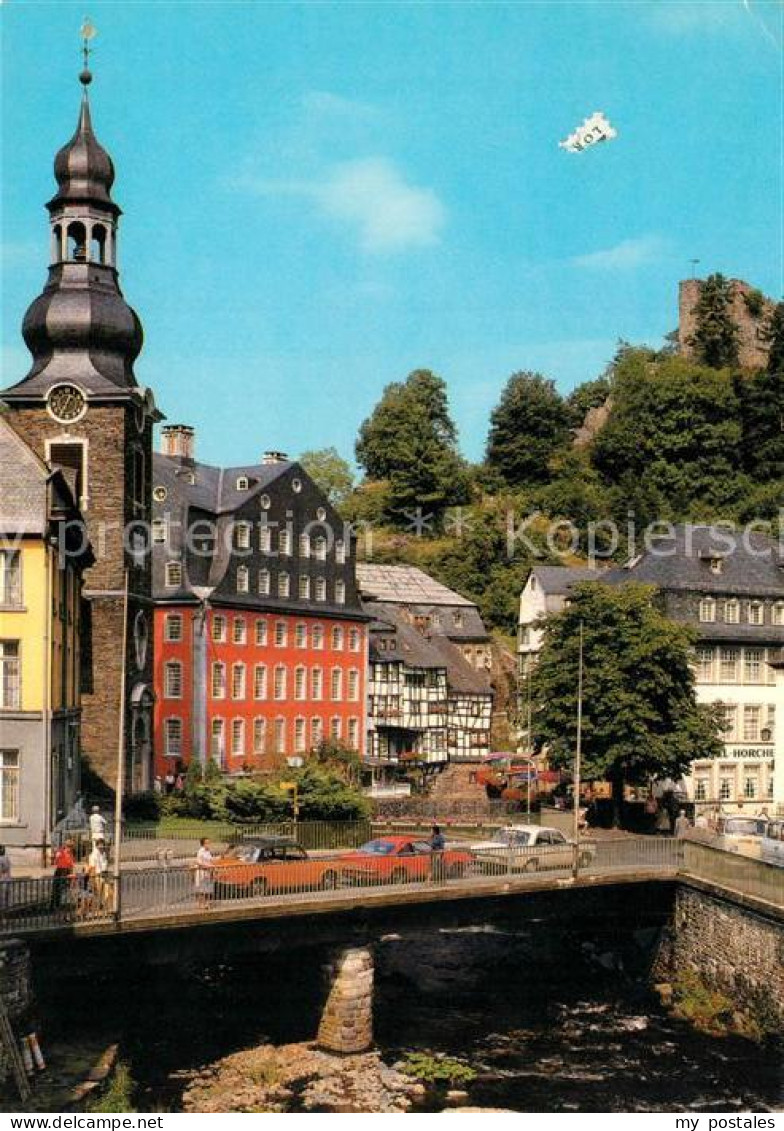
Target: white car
(772, 844)
(741, 834)
(528, 848)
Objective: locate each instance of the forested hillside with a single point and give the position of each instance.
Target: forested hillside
(677, 439)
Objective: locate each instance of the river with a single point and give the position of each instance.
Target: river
(544, 1037)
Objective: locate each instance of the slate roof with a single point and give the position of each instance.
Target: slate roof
(23, 479)
(417, 650)
(461, 676)
(557, 580)
(198, 493)
(752, 563)
(412, 588)
(405, 585)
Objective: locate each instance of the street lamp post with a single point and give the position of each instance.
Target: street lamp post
(578, 759)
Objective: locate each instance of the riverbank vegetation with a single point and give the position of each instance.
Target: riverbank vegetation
(326, 788)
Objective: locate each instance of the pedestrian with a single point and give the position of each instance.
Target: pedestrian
(98, 873)
(437, 846)
(179, 783)
(157, 784)
(662, 826)
(682, 824)
(64, 875)
(97, 826)
(203, 878)
(5, 877)
(168, 781)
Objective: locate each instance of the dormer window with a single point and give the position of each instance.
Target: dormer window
(173, 575)
(242, 483)
(242, 535)
(707, 610)
(756, 612)
(457, 619)
(731, 611)
(242, 579)
(716, 565)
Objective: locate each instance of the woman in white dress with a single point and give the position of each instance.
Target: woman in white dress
(204, 883)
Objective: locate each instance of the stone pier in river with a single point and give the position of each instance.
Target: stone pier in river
(347, 1021)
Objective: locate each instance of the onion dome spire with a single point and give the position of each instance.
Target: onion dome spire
(80, 330)
(83, 169)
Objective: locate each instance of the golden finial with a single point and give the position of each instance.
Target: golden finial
(87, 33)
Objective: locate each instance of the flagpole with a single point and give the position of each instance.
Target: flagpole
(578, 756)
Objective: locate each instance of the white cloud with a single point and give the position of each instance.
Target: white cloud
(371, 197)
(629, 253)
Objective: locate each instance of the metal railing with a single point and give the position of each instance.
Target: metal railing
(181, 840)
(172, 888)
(53, 901)
(734, 871)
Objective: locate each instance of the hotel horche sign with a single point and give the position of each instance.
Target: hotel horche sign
(748, 753)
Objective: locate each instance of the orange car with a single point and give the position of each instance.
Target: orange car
(398, 859)
(260, 865)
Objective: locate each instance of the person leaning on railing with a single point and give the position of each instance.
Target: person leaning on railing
(98, 876)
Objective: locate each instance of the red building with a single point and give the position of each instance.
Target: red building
(260, 639)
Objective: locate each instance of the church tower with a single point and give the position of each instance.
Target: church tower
(81, 408)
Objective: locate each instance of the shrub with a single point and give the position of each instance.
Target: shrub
(142, 807)
(325, 796)
(118, 1095)
(754, 302)
(438, 1070)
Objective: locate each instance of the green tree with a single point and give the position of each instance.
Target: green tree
(411, 442)
(529, 423)
(715, 338)
(591, 394)
(674, 430)
(761, 399)
(774, 334)
(329, 471)
(640, 716)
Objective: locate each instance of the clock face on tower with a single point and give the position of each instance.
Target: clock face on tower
(66, 403)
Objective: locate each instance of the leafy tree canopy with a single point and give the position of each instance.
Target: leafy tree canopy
(591, 394)
(715, 338)
(674, 429)
(327, 468)
(640, 715)
(411, 442)
(529, 423)
(775, 337)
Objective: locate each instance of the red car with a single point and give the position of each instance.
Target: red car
(400, 859)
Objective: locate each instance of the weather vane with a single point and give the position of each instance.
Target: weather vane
(87, 33)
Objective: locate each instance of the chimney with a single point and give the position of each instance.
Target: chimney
(178, 440)
(274, 457)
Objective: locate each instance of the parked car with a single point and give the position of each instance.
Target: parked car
(528, 848)
(397, 859)
(772, 843)
(258, 865)
(741, 834)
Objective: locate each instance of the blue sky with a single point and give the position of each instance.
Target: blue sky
(320, 197)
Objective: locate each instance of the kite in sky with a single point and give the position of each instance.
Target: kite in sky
(593, 130)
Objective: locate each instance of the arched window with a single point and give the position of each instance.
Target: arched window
(57, 244)
(77, 242)
(98, 244)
